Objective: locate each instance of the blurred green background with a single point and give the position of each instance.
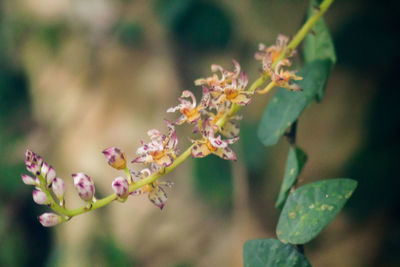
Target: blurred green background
(79, 76)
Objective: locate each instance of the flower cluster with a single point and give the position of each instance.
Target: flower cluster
(272, 56)
(214, 123)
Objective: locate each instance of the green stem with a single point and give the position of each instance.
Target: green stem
(221, 122)
(301, 34)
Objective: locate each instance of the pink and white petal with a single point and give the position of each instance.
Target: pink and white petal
(200, 150)
(173, 141)
(196, 128)
(200, 81)
(225, 153)
(242, 81)
(237, 67)
(242, 99)
(154, 133)
(217, 142)
(205, 99)
(143, 159)
(174, 109)
(187, 93)
(232, 140)
(182, 119)
(158, 197)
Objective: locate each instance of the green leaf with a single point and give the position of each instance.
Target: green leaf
(272, 253)
(318, 45)
(294, 164)
(312, 207)
(285, 107)
(213, 180)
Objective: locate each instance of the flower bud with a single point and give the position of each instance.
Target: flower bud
(29, 180)
(58, 187)
(49, 219)
(115, 158)
(31, 157)
(84, 185)
(40, 197)
(121, 187)
(51, 174)
(45, 169)
(33, 168)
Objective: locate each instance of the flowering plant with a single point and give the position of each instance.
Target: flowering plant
(305, 210)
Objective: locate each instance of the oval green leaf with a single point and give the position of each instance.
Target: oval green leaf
(294, 164)
(272, 253)
(312, 207)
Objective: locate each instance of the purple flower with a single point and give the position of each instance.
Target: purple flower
(29, 180)
(161, 150)
(49, 219)
(115, 158)
(84, 185)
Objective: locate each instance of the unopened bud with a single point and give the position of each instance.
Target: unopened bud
(29, 180)
(45, 169)
(31, 157)
(84, 185)
(115, 158)
(33, 168)
(58, 187)
(49, 219)
(158, 197)
(121, 187)
(40, 197)
(51, 174)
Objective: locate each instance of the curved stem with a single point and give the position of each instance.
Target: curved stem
(221, 122)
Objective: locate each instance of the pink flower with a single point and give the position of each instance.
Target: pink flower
(49, 219)
(190, 111)
(155, 192)
(115, 158)
(161, 150)
(121, 187)
(211, 144)
(84, 185)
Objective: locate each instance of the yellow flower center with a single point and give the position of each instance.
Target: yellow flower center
(157, 154)
(231, 93)
(210, 146)
(191, 113)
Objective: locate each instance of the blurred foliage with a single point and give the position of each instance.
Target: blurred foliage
(201, 25)
(52, 34)
(129, 33)
(104, 251)
(213, 180)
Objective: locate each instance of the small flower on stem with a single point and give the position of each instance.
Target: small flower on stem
(84, 185)
(121, 187)
(40, 197)
(161, 150)
(115, 158)
(190, 111)
(211, 144)
(58, 187)
(268, 55)
(231, 87)
(155, 191)
(285, 78)
(49, 219)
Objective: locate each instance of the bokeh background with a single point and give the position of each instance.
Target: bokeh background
(77, 76)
